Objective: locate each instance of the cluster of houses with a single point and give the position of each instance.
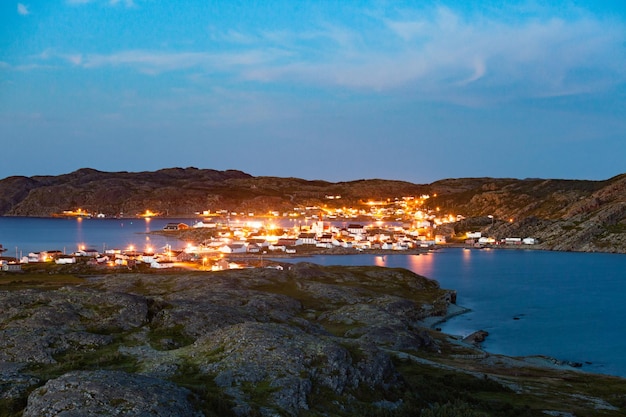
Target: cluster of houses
(415, 227)
(130, 258)
(254, 238)
(111, 257)
(477, 239)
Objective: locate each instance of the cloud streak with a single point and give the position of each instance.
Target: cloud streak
(156, 62)
(444, 55)
(127, 3)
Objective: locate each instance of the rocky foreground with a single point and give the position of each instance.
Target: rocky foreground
(306, 341)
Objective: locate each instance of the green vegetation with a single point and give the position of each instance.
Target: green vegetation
(169, 338)
(259, 393)
(25, 280)
(616, 228)
(104, 357)
(209, 398)
(12, 407)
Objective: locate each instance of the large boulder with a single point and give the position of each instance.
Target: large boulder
(110, 393)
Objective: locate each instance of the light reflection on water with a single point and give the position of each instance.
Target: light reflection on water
(23, 235)
(422, 263)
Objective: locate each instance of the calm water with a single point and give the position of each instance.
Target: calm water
(570, 306)
(28, 234)
(566, 305)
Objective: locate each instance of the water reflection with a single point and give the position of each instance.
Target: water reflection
(79, 231)
(421, 264)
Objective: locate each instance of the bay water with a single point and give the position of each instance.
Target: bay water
(570, 306)
(21, 235)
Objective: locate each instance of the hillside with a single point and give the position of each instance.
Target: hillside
(303, 341)
(179, 192)
(564, 214)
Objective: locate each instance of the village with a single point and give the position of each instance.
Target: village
(229, 240)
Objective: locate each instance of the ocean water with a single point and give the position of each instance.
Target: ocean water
(21, 235)
(570, 306)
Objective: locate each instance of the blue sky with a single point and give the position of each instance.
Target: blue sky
(333, 90)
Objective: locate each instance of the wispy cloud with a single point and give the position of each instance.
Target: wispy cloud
(155, 62)
(440, 54)
(447, 54)
(22, 9)
(127, 3)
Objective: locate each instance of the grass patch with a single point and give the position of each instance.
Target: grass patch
(208, 397)
(12, 407)
(616, 228)
(169, 338)
(258, 393)
(339, 329)
(437, 392)
(106, 357)
(26, 280)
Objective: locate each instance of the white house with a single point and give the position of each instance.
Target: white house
(233, 248)
(366, 244)
(306, 239)
(400, 246)
(202, 224)
(87, 252)
(529, 241)
(162, 264)
(11, 266)
(253, 248)
(64, 260)
(148, 258)
(356, 229)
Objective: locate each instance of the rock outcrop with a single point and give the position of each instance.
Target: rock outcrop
(109, 393)
(265, 340)
(309, 340)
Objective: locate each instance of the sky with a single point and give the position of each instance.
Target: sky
(333, 90)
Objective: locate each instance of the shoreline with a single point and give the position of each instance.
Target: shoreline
(431, 321)
(537, 360)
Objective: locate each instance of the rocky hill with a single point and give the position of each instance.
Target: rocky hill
(303, 341)
(564, 214)
(179, 192)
